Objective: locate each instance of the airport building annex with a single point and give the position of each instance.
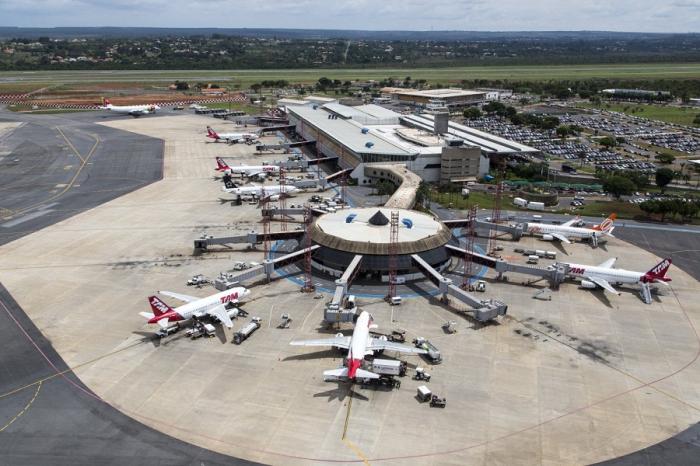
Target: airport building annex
(436, 149)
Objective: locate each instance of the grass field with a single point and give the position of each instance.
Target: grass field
(244, 78)
(679, 115)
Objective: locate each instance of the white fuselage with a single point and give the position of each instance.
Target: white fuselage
(610, 275)
(543, 229)
(255, 169)
(262, 191)
(237, 137)
(200, 307)
(132, 109)
(360, 337)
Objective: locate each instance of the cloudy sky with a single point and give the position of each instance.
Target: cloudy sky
(493, 15)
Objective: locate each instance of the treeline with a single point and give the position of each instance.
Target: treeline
(587, 88)
(220, 51)
(682, 209)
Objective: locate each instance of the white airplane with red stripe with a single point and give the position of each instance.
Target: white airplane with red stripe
(604, 275)
(360, 344)
(566, 231)
(245, 170)
(133, 110)
(231, 138)
(212, 306)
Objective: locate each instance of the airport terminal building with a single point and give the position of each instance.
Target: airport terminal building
(429, 145)
(451, 98)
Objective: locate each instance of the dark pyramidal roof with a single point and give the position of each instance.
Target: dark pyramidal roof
(378, 219)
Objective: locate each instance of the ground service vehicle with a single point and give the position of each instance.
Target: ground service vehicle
(243, 334)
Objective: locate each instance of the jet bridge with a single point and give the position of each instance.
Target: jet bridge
(483, 310)
(252, 238)
(335, 311)
(515, 231)
(228, 280)
(556, 273)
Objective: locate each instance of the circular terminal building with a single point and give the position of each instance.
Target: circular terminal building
(368, 231)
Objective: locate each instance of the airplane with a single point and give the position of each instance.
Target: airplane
(604, 275)
(566, 230)
(214, 306)
(245, 170)
(271, 192)
(231, 138)
(358, 345)
(133, 110)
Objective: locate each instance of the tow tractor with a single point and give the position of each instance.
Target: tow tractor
(437, 402)
(396, 336)
(198, 280)
(421, 374)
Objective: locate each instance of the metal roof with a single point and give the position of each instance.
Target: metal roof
(349, 133)
(488, 142)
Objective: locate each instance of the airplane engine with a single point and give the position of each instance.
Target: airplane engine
(548, 237)
(275, 197)
(339, 335)
(588, 285)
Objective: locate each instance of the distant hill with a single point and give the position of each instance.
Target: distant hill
(130, 32)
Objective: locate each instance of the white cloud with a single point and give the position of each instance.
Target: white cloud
(501, 15)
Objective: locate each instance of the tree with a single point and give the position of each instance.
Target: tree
(472, 113)
(696, 121)
(423, 194)
(640, 179)
(256, 87)
(608, 142)
(618, 186)
(663, 177)
(665, 158)
(324, 83)
(494, 107)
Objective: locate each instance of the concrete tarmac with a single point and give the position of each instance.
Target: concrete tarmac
(48, 417)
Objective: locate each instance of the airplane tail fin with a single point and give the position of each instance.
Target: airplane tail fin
(607, 225)
(658, 272)
(229, 183)
(211, 133)
(157, 306)
(221, 165)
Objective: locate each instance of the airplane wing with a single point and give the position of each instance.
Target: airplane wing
(377, 344)
(181, 297)
(561, 237)
(570, 222)
(339, 342)
(603, 284)
(252, 174)
(608, 264)
(220, 313)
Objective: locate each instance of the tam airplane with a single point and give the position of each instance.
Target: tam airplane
(213, 306)
(231, 138)
(566, 231)
(245, 170)
(358, 345)
(271, 192)
(133, 110)
(604, 275)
